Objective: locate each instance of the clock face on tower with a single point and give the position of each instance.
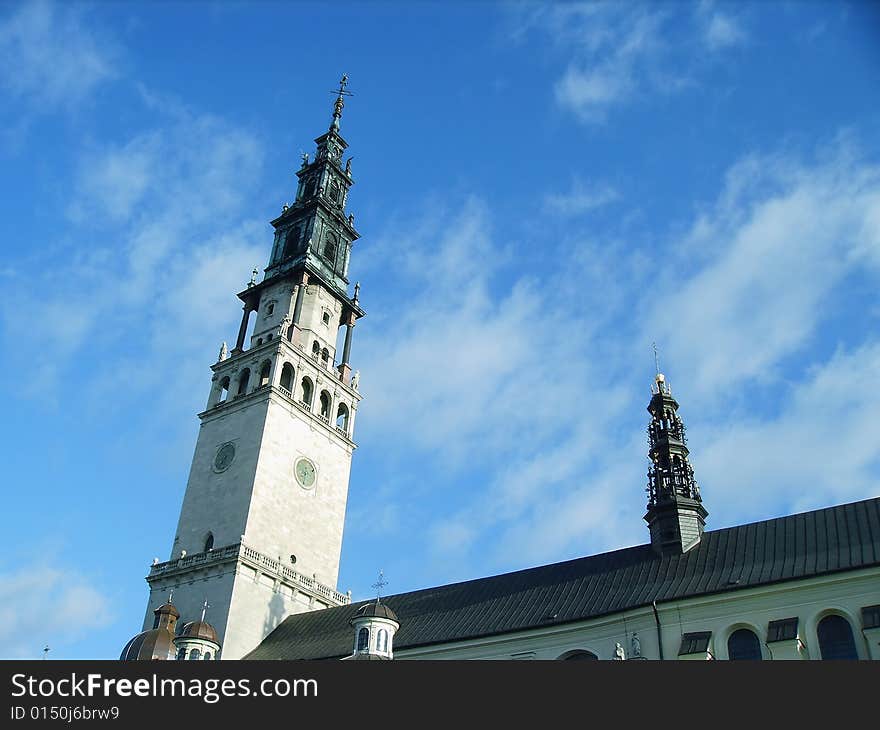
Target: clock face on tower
(224, 457)
(305, 473)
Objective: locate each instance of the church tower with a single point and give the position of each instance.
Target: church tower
(260, 530)
(675, 516)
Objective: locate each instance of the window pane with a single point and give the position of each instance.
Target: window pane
(836, 638)
(743, 644)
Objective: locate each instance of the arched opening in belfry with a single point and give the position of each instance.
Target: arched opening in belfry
(307, 392)
(287, 377)
(342, 417)
(265, 371)
(382, 640)
(325, 404)
(249, 328)
(316, 349)
(209, 542)
(243, 381)
(291, 242)
(330, 249)
(224, 390)
(325, 355)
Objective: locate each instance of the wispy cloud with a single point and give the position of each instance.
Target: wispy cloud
(51, 56)
(40, 605)
(159, 251)
(539, 437)
(581, 198)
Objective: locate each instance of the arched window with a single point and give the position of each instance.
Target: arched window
(325, 355)
(316, 349)
(181, 653)
(290, 243)
(330, 249)
(307, 392)
(224, 390)
(334, 191)
(209, 542)
(382, 640)
(836, 638)
(287, 377)
(579, 655)
(363, 639)
(265, 369)
(195, 654)
(208, 656)
(243, 381)
(325, 404)
(342, 417)
(743, 644)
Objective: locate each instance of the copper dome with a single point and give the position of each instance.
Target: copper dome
(199, 630)
(152, 644)
(375, 610)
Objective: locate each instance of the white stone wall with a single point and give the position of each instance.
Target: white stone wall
(287, 519)
(219, 502)
(722, 614)
(316, 301)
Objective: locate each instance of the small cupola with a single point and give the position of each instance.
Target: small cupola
(374, 627)
(198, 640)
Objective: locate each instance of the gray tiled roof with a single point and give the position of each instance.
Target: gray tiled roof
(838, 538)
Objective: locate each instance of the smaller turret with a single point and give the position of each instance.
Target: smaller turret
(374, 627)
(675, 516)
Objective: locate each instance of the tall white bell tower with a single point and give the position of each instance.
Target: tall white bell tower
(260, 530)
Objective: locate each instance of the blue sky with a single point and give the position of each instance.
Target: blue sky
(542, 192)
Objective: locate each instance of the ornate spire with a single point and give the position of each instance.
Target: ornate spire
(340, 102)
(675, 512)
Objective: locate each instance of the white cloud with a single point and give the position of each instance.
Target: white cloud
(51, 56)
(580, 199)
(158, 253)
(41, 605)
(521, 398)
(822, 448)
(782, 239)
(722, 31)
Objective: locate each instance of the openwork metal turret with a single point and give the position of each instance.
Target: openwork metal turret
(675, 516)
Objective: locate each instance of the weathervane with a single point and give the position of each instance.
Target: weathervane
(656, 358)
(171, 595)
(379, 585)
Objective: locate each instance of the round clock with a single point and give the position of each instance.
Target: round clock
(224, 457)
(305, 473)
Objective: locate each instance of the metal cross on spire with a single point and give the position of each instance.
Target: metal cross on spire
(340, 102)
(205, 607)
(656, 358)
(171, 596)
(379, 585)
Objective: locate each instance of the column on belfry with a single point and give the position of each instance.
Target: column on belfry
(242, 330)
(345, 366)
(297, 308)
